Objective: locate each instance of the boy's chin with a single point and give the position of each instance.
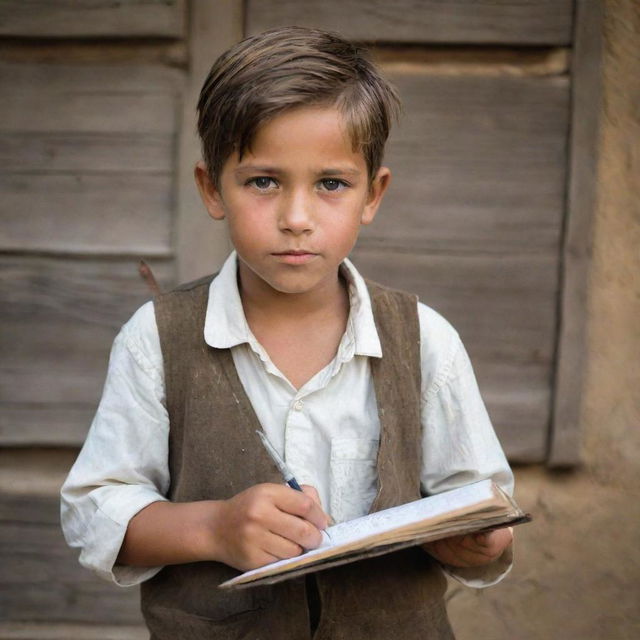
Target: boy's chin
(292, 285)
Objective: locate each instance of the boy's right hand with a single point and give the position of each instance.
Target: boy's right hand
(265, 523)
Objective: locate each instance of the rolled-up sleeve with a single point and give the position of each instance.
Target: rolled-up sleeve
(459, 443)
(122, 467)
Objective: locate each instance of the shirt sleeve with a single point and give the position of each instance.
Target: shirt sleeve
(459, 443)
(122, 466)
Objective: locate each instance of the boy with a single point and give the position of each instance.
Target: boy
(368, 395)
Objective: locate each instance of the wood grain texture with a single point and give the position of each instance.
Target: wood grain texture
(423, 21)
(92, 18)
(477, 60)
(66, 631)
(59, 317)
(89, 78)
(576, 252)
(201, 246)
(41, 579)
(116, 214)
(172, 53)
(478, 165)
(87, 158)
(34, 471)
(39, 152)
(504, 309)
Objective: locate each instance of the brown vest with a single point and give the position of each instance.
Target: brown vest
(214, 453)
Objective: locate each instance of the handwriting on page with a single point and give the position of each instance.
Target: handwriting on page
(407, 514)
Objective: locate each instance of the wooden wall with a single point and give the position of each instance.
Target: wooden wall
(96, 150)
(90, 116)
(88, 159)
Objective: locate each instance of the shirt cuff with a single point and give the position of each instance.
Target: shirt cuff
(107, 530)
(484, 576)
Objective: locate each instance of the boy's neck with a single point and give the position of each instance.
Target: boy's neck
(259, 299)
(301, 332)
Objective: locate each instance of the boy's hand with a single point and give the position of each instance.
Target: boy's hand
(265, 523)
(472, 550)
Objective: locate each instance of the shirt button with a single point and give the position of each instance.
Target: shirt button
(298, 405)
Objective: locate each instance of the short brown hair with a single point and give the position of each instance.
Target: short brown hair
(289, 67)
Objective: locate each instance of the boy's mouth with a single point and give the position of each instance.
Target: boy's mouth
(295, 256)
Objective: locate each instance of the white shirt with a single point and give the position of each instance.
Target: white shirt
(327, 430)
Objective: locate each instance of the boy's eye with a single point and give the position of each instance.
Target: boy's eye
(262, 182)
(332, 184)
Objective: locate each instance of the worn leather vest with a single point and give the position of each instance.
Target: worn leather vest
(214, 453)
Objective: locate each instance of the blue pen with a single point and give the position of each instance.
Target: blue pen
(280, 463)
(285, 471)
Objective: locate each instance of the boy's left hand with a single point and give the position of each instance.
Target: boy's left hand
(472, 550)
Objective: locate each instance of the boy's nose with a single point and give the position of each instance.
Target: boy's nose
(296, 215)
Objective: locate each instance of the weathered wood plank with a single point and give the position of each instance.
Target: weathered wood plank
(504, 310)
(89, 78)
(477, 60)
(518, 400)
(34, 471)
(572, 339)
(98, 112)
(93, 18)
(59, 317)
(478, 165)
(48, 424)
(200, 246)
(41, 580)
(50, 360)
(88, 158)
(172, 53)
(96, 291)
(66, 631)
(462, 21)
(41, 152)
(114, 213)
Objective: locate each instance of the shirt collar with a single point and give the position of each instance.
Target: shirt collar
(226, 326)
(367, 342)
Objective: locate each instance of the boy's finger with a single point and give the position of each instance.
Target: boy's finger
(302, 505)
(311, 491)
(481, 539)
(296, 530)
(469, 552)
(308, 490)
(281, 547)
(498, 538)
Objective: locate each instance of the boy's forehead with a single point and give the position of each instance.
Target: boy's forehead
(317, 136)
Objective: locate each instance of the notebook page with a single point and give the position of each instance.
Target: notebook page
(405, 515)
(349, 535)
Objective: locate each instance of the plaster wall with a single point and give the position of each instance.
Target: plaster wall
(577, 571)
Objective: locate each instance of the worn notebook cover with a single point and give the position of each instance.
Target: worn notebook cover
(474, 507)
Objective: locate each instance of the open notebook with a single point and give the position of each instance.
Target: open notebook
(482, 505)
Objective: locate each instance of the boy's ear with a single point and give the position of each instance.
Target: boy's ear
(209, 193)
(377, 188)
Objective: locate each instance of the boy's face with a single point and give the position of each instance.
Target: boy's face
(295, 202)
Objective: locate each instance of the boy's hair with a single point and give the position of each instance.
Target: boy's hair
(280, 69)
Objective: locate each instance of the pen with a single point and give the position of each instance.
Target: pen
(280, 463)
(289, 478)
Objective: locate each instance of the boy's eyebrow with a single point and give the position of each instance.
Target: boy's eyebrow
(330, 171)
(340, 171)
(253, 168)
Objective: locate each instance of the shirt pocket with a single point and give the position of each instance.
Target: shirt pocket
(354, 480)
